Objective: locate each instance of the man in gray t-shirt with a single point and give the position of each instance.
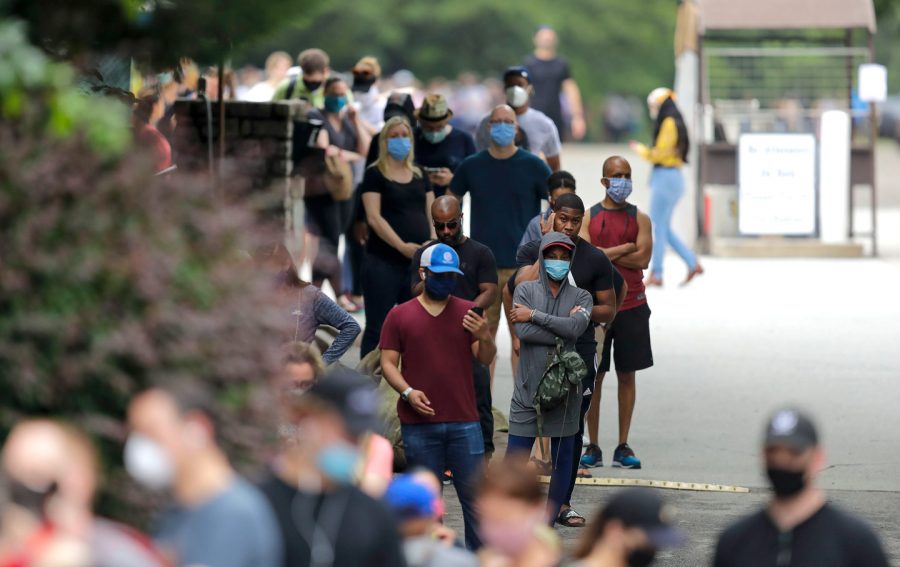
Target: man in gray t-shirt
(540, 132)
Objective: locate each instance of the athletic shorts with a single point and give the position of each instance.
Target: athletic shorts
(628, 341)
(493, 312)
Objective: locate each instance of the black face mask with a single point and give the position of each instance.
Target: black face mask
(641, 557)
(30, 499)
(312, 85)
(786, 483)
(362, 84)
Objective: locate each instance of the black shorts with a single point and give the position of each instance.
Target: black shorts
(628, 340)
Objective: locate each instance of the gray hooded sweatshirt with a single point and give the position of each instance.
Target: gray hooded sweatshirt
(538, 338)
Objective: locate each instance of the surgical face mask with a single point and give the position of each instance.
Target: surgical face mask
(557, 270)
(786, 483)
(503, 134)
(439, 286)
(312, 85)
(641, 557)
(148, 463)
(516, 96)
(619, 189)
(436, 137)
(334, 103)
(338, 462)
(399, 148)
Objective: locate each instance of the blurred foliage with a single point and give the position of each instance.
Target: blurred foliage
(887, 46)
(112, 279)
(613, 46)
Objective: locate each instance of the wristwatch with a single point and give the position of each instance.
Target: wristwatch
(404, 395)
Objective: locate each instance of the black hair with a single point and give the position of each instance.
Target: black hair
(569, 201)
(561, 179)
(332, 80)
(668, 109)
(193, 396)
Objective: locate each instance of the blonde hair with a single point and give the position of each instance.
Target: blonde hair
(381, 163)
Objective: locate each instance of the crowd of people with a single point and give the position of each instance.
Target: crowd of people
(338, 490)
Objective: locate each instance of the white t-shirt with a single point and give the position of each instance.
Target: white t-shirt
(260, 92)
(543, 137)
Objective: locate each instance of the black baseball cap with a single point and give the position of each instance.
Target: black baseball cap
(790, 426)
(517, 71)
(645, 508)
(353, 396)
(400, 104)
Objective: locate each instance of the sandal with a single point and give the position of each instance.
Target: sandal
(542, 468)
(571, 519)
(583, 473)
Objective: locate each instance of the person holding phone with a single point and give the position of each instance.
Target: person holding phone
(441, 147)
(434, 337)
(477, 284)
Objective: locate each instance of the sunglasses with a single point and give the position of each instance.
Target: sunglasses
(452, 225)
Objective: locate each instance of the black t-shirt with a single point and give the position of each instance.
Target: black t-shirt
(403, 207)
(358, 529)
(449, 153)
(475, 260)
(591, 270)
(830, 538)
(313, 166)
(547, 76)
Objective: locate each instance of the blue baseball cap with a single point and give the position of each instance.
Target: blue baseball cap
(410, 500)
(440, 258)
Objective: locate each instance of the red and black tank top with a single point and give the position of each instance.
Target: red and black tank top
(612, 227)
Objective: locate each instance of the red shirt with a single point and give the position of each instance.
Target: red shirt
(609, 228)
(435, 357)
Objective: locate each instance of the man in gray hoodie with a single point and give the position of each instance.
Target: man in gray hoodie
(543, 310)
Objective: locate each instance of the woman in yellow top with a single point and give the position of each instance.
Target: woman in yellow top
(668, 155)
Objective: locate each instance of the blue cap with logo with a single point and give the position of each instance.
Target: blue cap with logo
(440, 258)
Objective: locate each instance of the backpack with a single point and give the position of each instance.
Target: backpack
(565, 369)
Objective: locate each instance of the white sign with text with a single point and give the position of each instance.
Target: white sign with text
(777, 184)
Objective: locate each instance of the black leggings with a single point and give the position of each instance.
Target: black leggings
(325, 222)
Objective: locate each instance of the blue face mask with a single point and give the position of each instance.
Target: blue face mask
(399, 148)
(557, 270)
(338, 462)
(335, 103)
(503, 134)
(436, 137)
(619, 189)
(439, 287)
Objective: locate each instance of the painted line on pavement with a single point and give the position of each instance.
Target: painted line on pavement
(663, 484)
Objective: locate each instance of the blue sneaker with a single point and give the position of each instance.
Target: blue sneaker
(592, 458)
(624, 458)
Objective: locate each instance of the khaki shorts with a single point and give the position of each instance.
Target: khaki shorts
(493, 312)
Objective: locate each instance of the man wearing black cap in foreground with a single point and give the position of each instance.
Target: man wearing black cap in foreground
(798, 527)
(633, 526)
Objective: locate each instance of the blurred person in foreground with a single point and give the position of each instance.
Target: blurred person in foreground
(322, 517)
(427, 345)
(552, 77)
(668, 155)
(149, 108)
(217, 518)
(277, 65)
(540, 132)
(631, 528)
(798, 526)
(413, 505)
(310, 308)
(53, 471)
(511, 502)
(440, 146)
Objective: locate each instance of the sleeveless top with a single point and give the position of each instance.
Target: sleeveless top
(612, 227)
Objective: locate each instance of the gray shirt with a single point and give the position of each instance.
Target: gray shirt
(235, 528)
(551, 319)
(543, 137)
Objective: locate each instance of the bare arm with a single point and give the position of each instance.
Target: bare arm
(640, 258)
(573, 94)
(372, 203)
(604, 308)
(429, 199)
(487, 296)
(617, 252)
(390, 367)
(528, 273)
(554, 163)
(484, 349)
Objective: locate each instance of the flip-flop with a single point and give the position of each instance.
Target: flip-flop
(584, 473)
(571, 519)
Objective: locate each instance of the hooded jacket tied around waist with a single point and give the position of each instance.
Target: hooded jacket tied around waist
(538, 339)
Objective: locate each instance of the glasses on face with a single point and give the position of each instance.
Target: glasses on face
(452, 225)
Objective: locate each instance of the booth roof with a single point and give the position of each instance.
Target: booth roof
(786, 14)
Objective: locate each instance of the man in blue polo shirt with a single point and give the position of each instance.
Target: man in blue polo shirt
(507, 185)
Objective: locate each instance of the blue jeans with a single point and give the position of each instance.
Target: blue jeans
(458, 447)
(562, 450)
(666, 189)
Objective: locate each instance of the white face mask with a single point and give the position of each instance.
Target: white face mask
(148, 463)
(516, 96)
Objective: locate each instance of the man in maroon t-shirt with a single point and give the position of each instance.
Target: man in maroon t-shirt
(435, 336)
